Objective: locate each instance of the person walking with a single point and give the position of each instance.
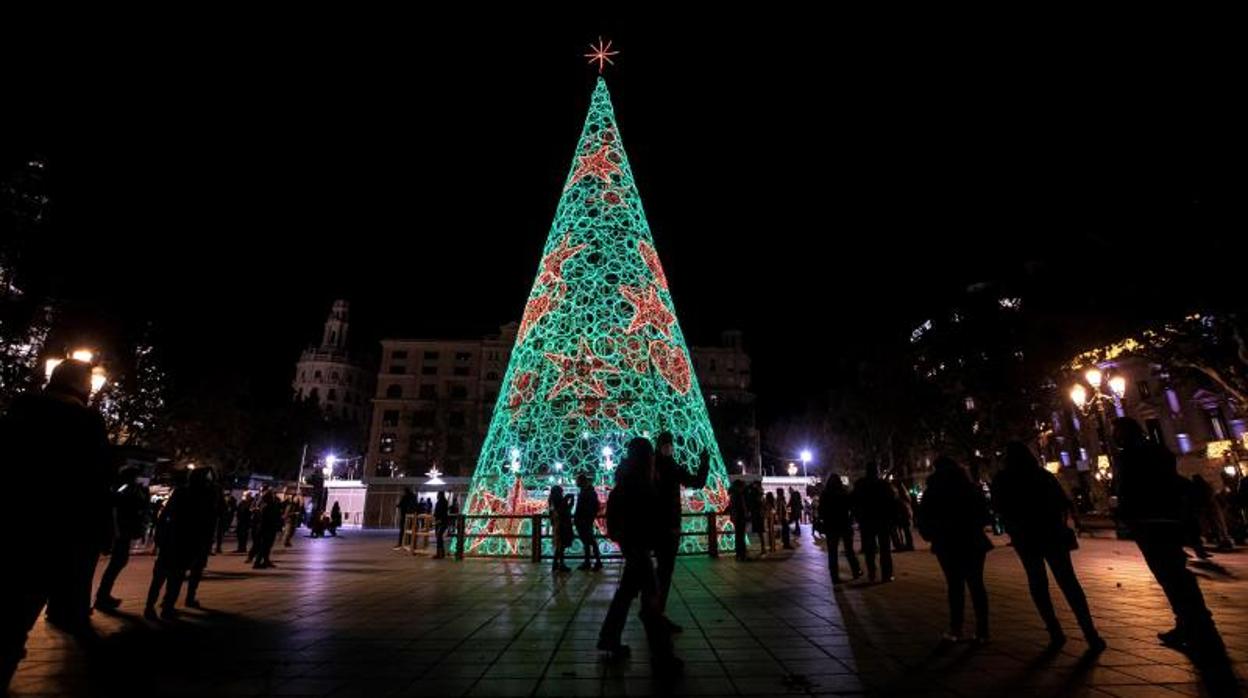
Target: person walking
(270, 524)
(669, 477)
(57, 430)
(1150, 502)
(903, 537)
(207, 516)
(952, 516)
(335, 520)
(441, 519)
(781, 512)
(184, 535)
(129, 509)
(294, 516)
(875, 508)
(586, 512)
(560, 510)
(1034, 510)
(835, 511)
(228, 508)
(738, 513)
(796, 507)
(631, 524)
(408, 504)
(758, 515)
(243, 526)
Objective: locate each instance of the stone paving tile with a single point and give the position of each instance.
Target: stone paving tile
(350, 617)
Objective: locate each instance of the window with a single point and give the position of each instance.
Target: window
(429, 370)
(303, 375)
(314, 394)
(463, 355)
(423, 419)
(431, 356)
(1185, 443)
(398, 354)
(969, 403)
(459, 392)
(334, 376)
(317, 375)
(460, 370)
(1142, 386)
(419, 446)
(390, 418)
(454, 445)
(491, 376)
(386, 444)
(395, 391)
(456, 419)
(385, 468)
(428, 391)
(398, 369)
(333, 395)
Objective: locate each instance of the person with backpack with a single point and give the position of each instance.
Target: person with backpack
(630, 523)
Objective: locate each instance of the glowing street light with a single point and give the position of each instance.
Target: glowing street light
(98, 379)
(806, 458)
(1118, 385)
(1093, 376)
(49, 366)
(792, 469)
(84, 355)
(1079, 395)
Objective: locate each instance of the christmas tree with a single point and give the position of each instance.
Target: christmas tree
(599, 357)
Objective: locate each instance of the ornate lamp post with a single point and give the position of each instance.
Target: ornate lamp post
(1090, 397)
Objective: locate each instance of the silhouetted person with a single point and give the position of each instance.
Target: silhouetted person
(270, 524)
(875, 508)
(408, 504)
(903, 536)
(584, 516)
(738, 512)
(184, 534)
(559, 508)
(1034, 508)
(952, 515)
(335, 520)
(1150, 502)
(294, 516)
(669, 477)
(208, 505)
(782, 518)
(229, 507)
(758, 514)
(795, 512)
(441, 519)
(129, 509)
(835, 510)
(631, 524)
(46, 436)
(243, 526)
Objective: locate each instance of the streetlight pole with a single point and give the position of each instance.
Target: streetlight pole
(1081, 397)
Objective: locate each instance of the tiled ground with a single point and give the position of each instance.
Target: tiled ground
(348, 616)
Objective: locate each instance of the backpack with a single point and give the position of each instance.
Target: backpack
(617, 514)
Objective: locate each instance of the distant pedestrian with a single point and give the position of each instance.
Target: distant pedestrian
(835, 511)
(669, 477)
(208, 503)
(270, 518)
(1150, 502)
(758, 514)
(408, 504)
(228, 508)
(560, 510)
(441, 519)
(586, 513)
(875, 508)
(903, 536)
(796, 507)
(129, 510)
(242, 529)
(630, 523)
(1034, 509)
(335, 520)
(738, 513)
(294, 516)
(183, 537)
(782, 518)
(952, 515)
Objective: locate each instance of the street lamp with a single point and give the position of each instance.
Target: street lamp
(330, 461)
(792, 469)
(1092, 401)
(805, 461)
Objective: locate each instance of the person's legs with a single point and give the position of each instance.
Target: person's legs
(69, 591)
(658, 627)
(440, 533)
(173, 588)
(974, 574)
(665, 559)
(738, 534)
(784, 535)
(908, 533)
(192, 582)
(1038, 585)
(833, 564)
(117, 560)
(220, 535)
(1064, 574)
(401, 521)
(886, 556)
(617, 612)
(19, 610)
(869, 539)
(1163, 552)
(160, 573)
(852, 558)
(954, 583)
(242, 532)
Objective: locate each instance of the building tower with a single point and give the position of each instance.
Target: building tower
(329, 374)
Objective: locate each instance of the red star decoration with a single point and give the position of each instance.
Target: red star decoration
(601, 54)
(534, 310)
(596, 164)
(671, 363)
(648, 309)
(552, 264)
(579, 370)
(651, 259)
(592, 408)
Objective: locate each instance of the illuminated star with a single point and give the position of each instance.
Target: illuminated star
(601, 54)
(597, 164)
(579, 370)
(648, 309)
(534, 310)
(552, 264)
(652, 261)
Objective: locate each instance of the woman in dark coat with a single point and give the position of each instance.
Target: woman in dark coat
(1033, 506)
(952, 516)
(560, 526)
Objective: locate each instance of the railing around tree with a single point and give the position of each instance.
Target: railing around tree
(419, 536)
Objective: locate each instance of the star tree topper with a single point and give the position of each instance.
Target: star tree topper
(601, 54)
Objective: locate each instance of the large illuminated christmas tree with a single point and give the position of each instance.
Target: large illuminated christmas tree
(599, 357)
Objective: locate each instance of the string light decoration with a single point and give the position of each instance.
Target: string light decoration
(599, 358)
(601, 54)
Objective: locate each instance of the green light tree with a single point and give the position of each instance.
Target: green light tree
(599, 357)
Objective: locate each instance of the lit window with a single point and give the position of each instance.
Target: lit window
(1185, 443)
(386, 444)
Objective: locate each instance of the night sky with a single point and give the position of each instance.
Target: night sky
(819, 185)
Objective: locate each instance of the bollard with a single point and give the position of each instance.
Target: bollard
(712, 536)
(460, 528)
(535, 539)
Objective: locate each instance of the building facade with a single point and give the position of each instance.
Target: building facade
(339, 382)
(723, 373)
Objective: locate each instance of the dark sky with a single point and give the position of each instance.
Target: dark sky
(817, 184)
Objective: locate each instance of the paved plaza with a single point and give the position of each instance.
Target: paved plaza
(351, 617)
